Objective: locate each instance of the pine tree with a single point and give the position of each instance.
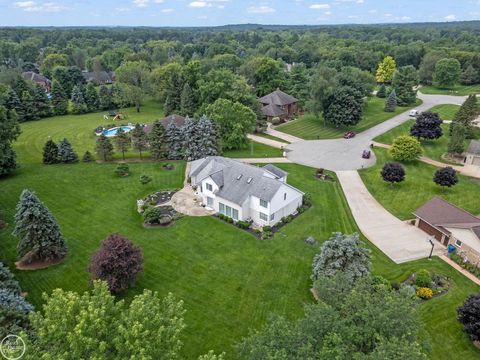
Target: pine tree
(65, 152)
(41, 102)
(466, 114)
(122, 142)
(169, 106)
(391, 103)
(187, 103)
(208, 144)
(105, 98)
(59, 99)
(456, 145)
(78, 102)
(156, 140)
(50, 152)
(28, 105)
(38, 232)
(9, 133)
(87, 157)
(91, 98)
(174, 141)
(191, 140)
(404, 82)
(139, 139)
(14, 103)
(104, 148)
(382, 91)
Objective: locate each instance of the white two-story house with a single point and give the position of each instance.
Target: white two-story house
(244, 192)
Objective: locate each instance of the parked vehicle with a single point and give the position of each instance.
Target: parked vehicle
(366, 154)
(349, 135)
(414, 113)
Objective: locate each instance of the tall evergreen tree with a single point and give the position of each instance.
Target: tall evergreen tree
(208, 142)
(456, 145)
(191, 140)
(104, 148)
(41, 102)
(38, 232)
(391, 102)
(91, 98)
(50, 152)
(156, 140)
(14, 103)
(105, 98)
(404, 81)
(169, 106)
(122, 142)
(9, 131)
(382, 91)
(187, 102)
(65, 152)
(78, 102)
(344, 107)
(59, 99)
(28, 105)
(466, 114)
(174, 141)
(139, 139)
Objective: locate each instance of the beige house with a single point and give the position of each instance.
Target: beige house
(472, 155)
(451, 225)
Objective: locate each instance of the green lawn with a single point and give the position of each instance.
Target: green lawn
(271, 137)
(446, 111)
(229, 280)
(402, 199)
(460, 90)
(310, 128)
(254, 150)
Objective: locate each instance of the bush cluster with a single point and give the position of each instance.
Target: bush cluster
(423, 279)
(424, 293)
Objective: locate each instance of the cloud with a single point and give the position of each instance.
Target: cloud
(319, 6)
(158, 1)
(450, 17)
(260, 9)
(198, 4)
(140, 3)
(168, 10)
(32, 6)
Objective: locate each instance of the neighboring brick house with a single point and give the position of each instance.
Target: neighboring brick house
(278, 104)
(472, 155)
(451, 225)
(38, 79)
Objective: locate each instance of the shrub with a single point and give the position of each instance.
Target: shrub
(267, 228)
(266, 235)
(424, 293)
(276, 120)
(87, 157)
(405, 148)
(307, 200)
(243, 224)
(122, 170)
(145, 179)
(152, 215)
(229, 220)
(423, 278)
(469, 317)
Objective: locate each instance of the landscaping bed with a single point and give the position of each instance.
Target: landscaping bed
(159, 216)
(159, 198)
(426, 286)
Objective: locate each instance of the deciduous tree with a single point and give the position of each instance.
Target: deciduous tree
(386, 70)
(428, 126)
(344, 107)
(445, 177)
(393, 173)
(405, 148)
(469, 316)
(447, 73)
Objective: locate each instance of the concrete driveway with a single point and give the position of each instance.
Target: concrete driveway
(341, 154)
(398, 240)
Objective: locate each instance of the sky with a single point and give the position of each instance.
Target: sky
(222, 12)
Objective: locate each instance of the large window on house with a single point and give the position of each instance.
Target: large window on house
(209, 201)
(263, 217)
(209, 187)
(228, 211)
(235, 214)
(263, 203)
(458, 243)
(221, 208)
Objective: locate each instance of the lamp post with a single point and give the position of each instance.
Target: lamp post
(431, 239)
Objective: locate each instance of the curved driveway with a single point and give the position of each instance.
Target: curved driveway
(341, 154)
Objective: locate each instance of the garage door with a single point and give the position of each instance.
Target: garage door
(430, 230)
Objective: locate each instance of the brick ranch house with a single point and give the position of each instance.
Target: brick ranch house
(38, 79)
(278, 104)
(451, 225)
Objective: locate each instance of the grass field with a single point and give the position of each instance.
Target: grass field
(271, 137)
(229, 280)
(446, 111)
(309, 127)
(460, 90)
(79, 130)
(418, 187)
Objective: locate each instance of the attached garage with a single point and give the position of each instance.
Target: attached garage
(431, 230)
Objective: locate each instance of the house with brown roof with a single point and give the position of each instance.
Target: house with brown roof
(278, 104)
(178, 120)
(38, 79)
(472, 155)
(99, 77)
(451, 225)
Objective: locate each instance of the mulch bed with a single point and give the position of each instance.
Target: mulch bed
(160, 197)
(38, 264)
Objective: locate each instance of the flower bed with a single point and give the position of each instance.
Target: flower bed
(159, 216)
(426, 286)
(471, 268)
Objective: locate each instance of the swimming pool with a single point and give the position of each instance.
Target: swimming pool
(113, 131)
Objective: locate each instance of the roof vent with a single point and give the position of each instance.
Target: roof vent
(239, 176)
(249, 180)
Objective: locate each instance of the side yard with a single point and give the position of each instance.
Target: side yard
(460, 90)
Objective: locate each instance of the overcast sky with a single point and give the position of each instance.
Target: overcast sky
(221, 12)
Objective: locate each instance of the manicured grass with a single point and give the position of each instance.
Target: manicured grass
(310, 128)
(254, 150)
(418, 187)
(460, 90)
(271, 137)
(446, 111)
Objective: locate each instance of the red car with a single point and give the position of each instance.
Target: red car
(349, 135)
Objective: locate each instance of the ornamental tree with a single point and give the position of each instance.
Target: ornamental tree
(117, 262)
(393, 173)
(405, 148)
(50, 152)
(38, 232)
(104, 148)
(469, 316)
(447, 73)
(391, 102)
(342, 253)
(446, 177)
(344, 107)
(428, 126)
(386, 70)
(65, 152)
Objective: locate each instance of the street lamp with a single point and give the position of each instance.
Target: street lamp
(431, 239)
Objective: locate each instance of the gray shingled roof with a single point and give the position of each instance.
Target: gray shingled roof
(239, 180)
(474, 147)
(33, 76)
(272, 110)
(279, 98)
(275, 170)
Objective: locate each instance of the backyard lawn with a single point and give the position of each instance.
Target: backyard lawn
(229, 280)
(460, 90)
(310, 128)
(445, 111)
